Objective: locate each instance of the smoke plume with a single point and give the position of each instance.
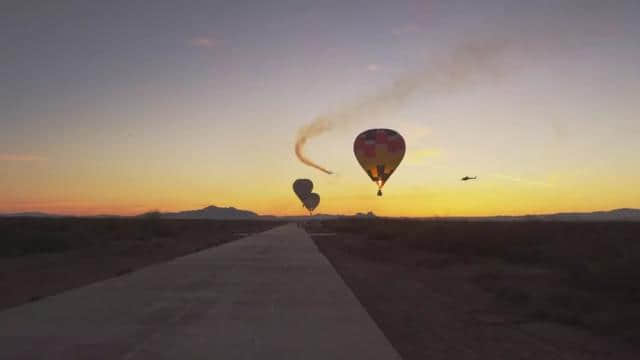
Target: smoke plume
(469, 64)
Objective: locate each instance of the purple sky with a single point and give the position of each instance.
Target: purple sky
(132, 105)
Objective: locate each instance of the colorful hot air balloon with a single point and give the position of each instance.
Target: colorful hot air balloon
(311, 202)
(302, 188)
(379, 152)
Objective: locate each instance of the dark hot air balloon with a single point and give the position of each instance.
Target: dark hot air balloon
(302, 188)
(311, 202)
(379, 152)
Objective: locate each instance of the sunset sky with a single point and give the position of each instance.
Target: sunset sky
(122, 107)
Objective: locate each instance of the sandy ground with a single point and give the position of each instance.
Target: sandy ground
(431, 306)
(268, 296)
(33, 277)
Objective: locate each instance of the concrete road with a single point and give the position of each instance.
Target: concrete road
(267, 296)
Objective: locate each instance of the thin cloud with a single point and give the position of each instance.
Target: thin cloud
(21, 157)
(406, 29)
(373, 67)
(419, 157)
(203, 42)
(414, 131)
(523, 181)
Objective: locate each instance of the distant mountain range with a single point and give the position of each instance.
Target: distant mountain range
(231, 213)
(32, 214)
(212, 212)
(612, 215)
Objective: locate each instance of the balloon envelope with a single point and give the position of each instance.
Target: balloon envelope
(302, 188)
(312, 201)
(379, 152)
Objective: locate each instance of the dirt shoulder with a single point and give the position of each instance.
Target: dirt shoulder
(435, 305)
(43, 257)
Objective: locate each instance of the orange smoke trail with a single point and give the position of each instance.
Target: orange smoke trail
(316, 128)
(473, 63)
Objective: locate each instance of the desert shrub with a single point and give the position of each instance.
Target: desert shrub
(33, 242)
(593, 276)
(152, 215)
(597, 253)
(163, 229)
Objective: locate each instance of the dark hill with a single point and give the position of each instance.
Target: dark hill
(212, 212)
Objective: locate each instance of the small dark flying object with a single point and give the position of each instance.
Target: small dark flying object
(469, 178)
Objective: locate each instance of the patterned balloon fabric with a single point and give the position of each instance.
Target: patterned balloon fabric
(379, 152)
